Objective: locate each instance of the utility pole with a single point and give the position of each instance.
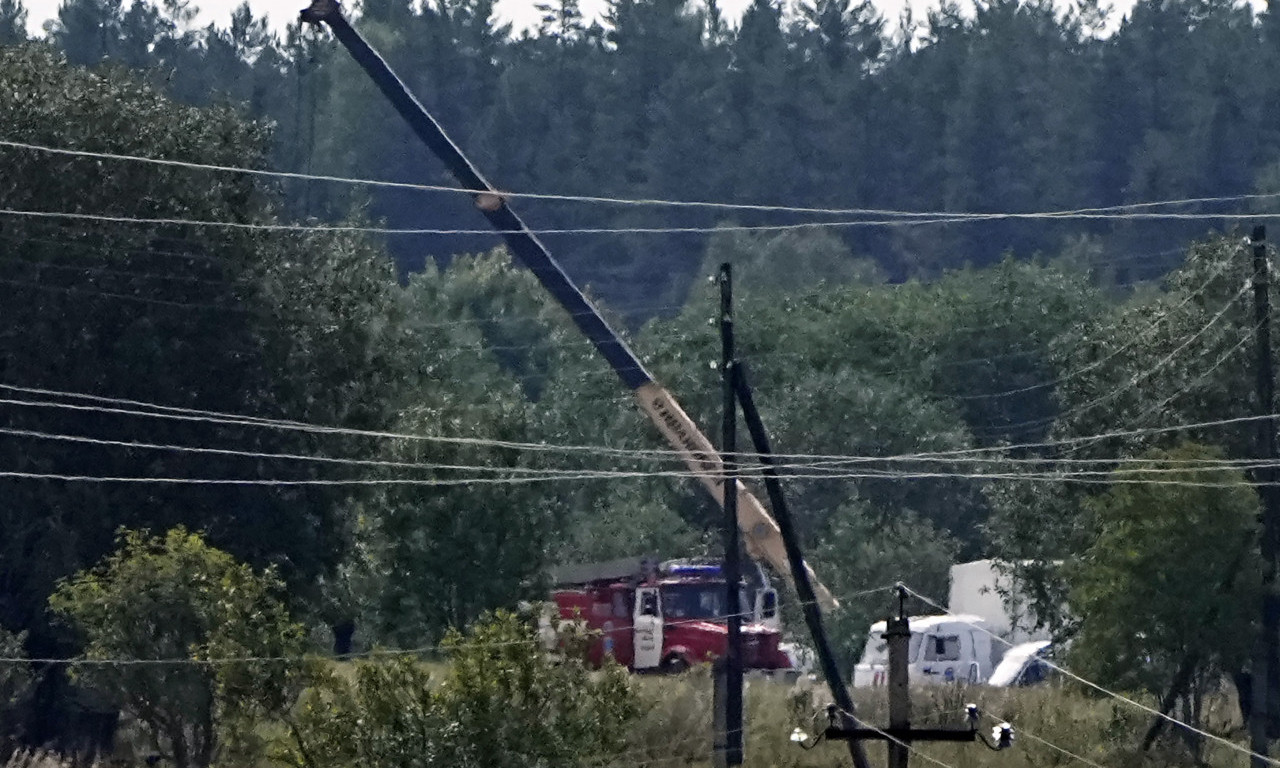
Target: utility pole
(1265, 655)
(809, 604)
(898, 636)
(899, 735)
(732, 567)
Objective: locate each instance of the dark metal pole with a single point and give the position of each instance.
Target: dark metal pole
(658, 404)
(799, 573)
(1265, 656)
(522, 242)
(732, 566)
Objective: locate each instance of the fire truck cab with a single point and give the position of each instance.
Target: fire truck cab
(666, 617)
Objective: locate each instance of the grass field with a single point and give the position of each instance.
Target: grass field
(1054, 726)
(675, 729)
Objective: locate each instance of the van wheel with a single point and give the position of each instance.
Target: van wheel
(674, 665)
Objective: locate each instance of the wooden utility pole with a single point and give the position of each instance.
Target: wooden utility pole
(898, 637)
(732, 663)
(899, 735)
(1265, 657)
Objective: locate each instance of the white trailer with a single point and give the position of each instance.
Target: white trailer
(980, 589)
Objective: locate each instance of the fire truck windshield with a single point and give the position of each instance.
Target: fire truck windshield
(698, 601)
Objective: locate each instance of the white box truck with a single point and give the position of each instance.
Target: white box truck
(980, 589)
(961, 647)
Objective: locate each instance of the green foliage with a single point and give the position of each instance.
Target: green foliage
(16, 680)
(826, 105)
(822, 107)
(440, 554)
(877, 370)
(1169, 570)
(13, 22)
(278, 324)
(1167, 357)
(175, 598)
(629, 519)
(502, 701)
(788, 262)
(1161, 359)
(864, 550)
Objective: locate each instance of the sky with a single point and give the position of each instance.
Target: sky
(520, 13)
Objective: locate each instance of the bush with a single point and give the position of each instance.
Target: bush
(177, 600)
(501, 702)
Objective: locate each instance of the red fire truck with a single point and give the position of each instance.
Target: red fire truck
(665, 617)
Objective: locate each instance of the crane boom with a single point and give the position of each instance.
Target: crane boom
(760, 531)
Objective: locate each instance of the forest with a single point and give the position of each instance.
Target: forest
(206, 371)
(1016, 107)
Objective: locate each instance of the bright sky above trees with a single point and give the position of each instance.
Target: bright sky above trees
(519, 13)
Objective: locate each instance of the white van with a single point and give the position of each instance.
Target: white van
(943, 650)
(1023, 665)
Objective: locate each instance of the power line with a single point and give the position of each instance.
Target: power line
(1059, 668)
(632, 201)
(549, 474)
(535, 375)
(137, 249)
(1222, 267)
(847, 224)
(79, 268)
(198, 415)
(1244, 339)
(1084, 477)
(1136, 378)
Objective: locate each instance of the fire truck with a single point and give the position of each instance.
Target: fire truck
(654, 616)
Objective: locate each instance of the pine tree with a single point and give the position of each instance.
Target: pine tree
(13, 22)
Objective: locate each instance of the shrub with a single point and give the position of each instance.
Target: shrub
(502, 701)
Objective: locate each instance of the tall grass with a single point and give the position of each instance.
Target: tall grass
(675, 728)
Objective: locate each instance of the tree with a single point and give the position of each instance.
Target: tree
(788, 262)
(1168, 589)
(301, 326)
(844, 33)
(992, 339)
(445, 553)
(15, 682)
(13, 22)
(176, 600)
(1161, 359)
(862, 550)
(832, 368)
(502, 701)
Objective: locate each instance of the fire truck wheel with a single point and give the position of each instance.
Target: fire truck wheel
(674, 665)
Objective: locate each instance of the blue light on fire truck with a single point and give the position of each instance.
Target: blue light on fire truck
(690, 569)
